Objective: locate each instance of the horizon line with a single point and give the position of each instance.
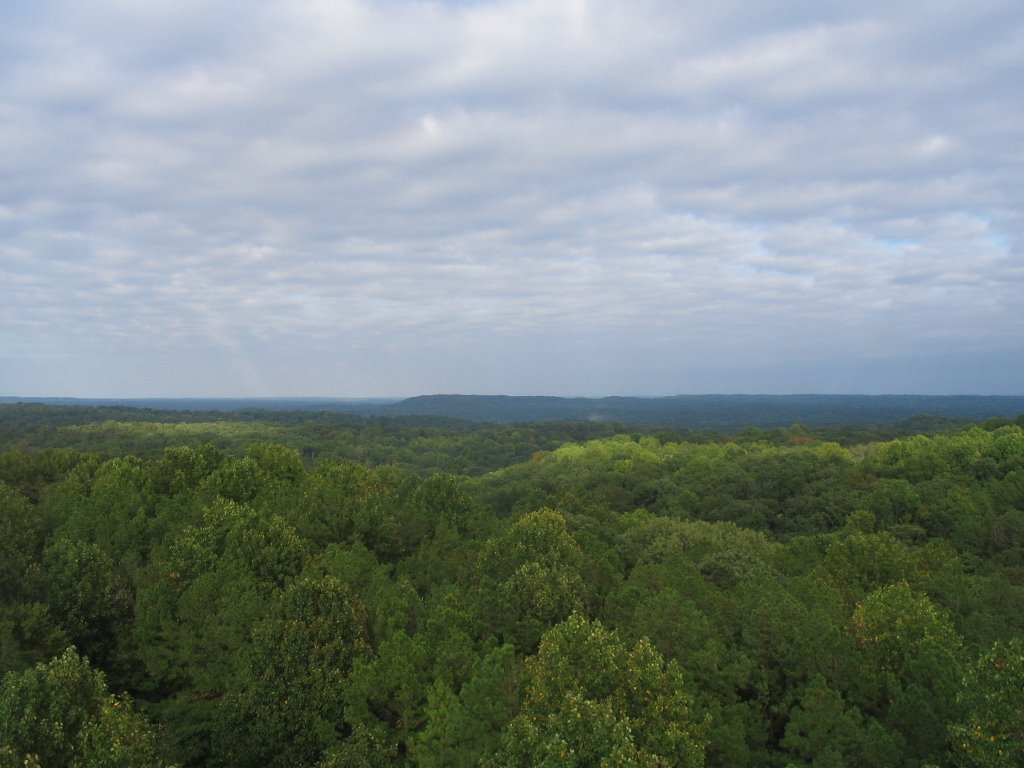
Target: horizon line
(396, 398)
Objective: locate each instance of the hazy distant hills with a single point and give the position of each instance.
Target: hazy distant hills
(694, 411)
(346, 404)
(713, 411)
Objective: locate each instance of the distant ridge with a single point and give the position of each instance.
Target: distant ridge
(347, 404)
(714, 412)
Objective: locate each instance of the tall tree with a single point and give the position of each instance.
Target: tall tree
(591, 701)
(912, 663)
(61, 715)
(285, 704)
(531, 577)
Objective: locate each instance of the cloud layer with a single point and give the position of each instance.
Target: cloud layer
(541, 196)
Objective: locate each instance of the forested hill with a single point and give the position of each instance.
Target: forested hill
(219, 404)
(713, 412)
(720, 412)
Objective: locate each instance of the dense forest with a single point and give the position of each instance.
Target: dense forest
(293, 588)
(715, 412)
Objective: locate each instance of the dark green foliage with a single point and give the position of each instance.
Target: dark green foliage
(990, 732)
(21, 538)
(825, 731)
(912, 661)
(29, 634)
(461, 730)
(285, 702)
(77, 581)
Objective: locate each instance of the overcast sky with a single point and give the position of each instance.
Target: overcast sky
(522, 197)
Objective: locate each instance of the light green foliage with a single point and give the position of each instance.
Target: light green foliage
(239, 480)
(990, 734)
(974, 453)
(149, 437)
(440, 743)
(859, 563)
(364, 748)
(591, 701)
(893, 624)
(532, 577)
(183, 468)
(60, 714)
(283, 465)
(650, 537)
(913, 459)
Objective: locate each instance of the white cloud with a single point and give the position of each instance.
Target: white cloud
(725, 183)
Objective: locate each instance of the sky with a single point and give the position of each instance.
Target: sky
(564, 197)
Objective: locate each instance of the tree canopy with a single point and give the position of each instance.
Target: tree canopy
(425, 595)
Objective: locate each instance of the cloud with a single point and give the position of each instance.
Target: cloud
(287, 184)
